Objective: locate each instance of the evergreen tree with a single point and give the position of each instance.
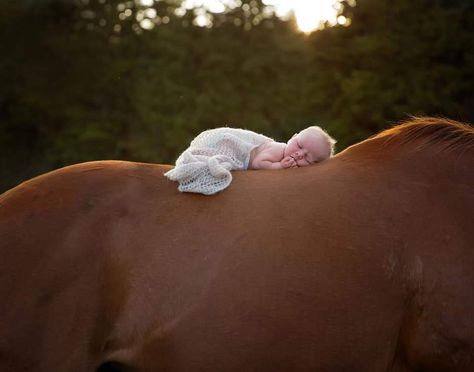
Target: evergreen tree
(110, 79)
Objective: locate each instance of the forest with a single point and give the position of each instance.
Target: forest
(83, 80)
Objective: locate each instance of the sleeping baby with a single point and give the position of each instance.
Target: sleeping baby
(205, 166)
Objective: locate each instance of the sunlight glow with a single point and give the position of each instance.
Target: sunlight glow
(214, 6)
(147, 24)
(310, 15)
(146, 2)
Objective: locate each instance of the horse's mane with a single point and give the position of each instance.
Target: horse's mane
(443, 134)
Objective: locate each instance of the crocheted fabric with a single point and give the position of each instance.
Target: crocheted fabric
(205, 166)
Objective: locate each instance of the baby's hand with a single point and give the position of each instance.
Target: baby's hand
(288, 162)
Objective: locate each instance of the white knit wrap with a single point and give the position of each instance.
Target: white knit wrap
(204, 167)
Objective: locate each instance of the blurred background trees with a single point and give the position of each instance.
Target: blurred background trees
(137, 80)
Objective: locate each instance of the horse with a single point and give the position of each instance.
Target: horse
(363, 262)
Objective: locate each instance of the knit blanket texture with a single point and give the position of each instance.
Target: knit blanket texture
(205, 166)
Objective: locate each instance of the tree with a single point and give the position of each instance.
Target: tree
(88, 80)
(397, 58)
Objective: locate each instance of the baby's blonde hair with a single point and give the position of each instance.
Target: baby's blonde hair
(325, 136)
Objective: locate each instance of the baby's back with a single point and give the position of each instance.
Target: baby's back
(271, 151)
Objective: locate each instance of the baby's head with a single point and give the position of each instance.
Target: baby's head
(310, 146)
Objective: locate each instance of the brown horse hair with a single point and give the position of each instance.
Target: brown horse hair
(445, 134)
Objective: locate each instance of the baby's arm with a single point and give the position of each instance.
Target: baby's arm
(271, 157)
(266, 164)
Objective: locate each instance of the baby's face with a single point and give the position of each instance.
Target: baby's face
(307, 147)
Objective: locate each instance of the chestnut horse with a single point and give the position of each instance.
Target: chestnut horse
(364, 262)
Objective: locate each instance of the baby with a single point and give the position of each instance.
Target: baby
(309, 146)
(205, 166)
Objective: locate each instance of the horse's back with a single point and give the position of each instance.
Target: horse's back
(103, 257)
(107, 261)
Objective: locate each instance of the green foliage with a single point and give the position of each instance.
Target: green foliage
(78, 83)
(397, 58)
